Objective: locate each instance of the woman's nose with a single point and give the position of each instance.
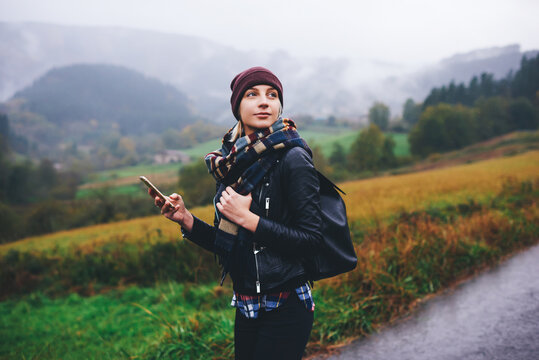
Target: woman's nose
(263, 101)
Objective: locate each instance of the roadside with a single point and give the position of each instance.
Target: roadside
(492, 316)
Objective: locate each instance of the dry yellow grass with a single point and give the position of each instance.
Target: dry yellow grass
(381, 197)
(134, 230)
(365, 200)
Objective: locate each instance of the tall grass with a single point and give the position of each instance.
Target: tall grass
(367, 201)
(131, 231)
(419, 254)
(400, 262)
(415, 234)
(380, 198)
(135, 323)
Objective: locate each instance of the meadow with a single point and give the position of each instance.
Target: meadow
(124, 181)
(133, 289)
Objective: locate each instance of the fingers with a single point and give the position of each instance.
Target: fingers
(168, 207)
(219, 207)
(177, 201)
(158, 201)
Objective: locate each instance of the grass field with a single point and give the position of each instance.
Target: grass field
(117, 325)
(346, 139)
(415, 234)
(366, 200)
(399, 262)
(377, 198)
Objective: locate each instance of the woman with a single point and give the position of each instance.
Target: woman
(267, 220)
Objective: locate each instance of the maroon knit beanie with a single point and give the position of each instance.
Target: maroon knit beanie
(247, 79)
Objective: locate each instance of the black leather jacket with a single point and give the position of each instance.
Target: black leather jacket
(288, 203)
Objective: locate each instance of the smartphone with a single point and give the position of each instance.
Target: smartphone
(152, 186)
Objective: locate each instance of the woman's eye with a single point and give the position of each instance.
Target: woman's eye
(272, 94)
(250, 93)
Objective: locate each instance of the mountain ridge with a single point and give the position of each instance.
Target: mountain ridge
(85, 103)
(202, 68)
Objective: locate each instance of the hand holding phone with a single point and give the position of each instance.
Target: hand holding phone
(153, 187)
(159, 194)
(176, 211)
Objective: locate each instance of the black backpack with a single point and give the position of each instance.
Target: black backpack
(337, 255)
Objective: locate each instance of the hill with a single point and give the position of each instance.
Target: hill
(81, 103)
(319, 86)
(99, 99)
(505, 145)
(387, 194)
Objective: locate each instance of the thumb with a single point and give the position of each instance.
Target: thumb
(175, 196)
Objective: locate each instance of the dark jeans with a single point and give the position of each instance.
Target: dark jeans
(281, 333)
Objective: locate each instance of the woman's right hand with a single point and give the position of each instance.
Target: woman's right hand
(174, 209)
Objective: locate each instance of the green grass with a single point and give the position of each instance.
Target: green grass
(418, 254)
(347, 138)
(113, 174)
(402, 147)
(132, 190)
(132, 323)
(200, 150)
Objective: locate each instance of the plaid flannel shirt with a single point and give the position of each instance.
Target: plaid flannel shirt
(250, 305)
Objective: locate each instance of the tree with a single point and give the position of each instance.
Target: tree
(197, 186)
(411, 112)
(11, 226)
(492, 117)
(4, 134)
(172, 139)
(522, 114)
(19, 189)
(366, 151)
(443, 127)
(379, 115)
(46, 217)
(320, 161)
(487, 85)
(127, 151)
(388, 158)
(338, 156)
(526, 80)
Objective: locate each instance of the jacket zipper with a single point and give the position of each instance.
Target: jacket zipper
(255, 251)
(257, 274)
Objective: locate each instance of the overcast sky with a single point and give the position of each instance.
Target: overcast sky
(411, 31)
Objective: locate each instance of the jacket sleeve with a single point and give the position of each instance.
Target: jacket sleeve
(201, 234)
(301, 194)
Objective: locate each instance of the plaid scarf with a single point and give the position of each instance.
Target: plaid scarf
(242, 163)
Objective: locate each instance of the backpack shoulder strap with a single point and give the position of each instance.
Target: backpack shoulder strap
(327, 184)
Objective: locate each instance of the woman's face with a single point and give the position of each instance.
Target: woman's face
(259, 108)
